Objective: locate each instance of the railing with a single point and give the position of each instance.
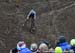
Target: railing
(71, 51)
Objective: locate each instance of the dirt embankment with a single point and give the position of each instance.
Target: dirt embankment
(54, 18)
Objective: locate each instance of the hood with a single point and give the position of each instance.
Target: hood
(72, 42)
(58, 50)
(62, 39)
(63, 44)
(21, 45)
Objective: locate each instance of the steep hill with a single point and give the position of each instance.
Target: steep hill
(54, 18)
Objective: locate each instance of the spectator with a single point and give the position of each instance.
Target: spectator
(14, 50)
(21, 47)
(34, 47)
(43, 48)
(63, 43)
(45, 41)
(72, 42)
(58, 50)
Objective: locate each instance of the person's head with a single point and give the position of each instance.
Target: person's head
(33, 47)
(58, 50)
(45, 42)
(72, 42)
(61, 39)
(21, 45)
(43, 47)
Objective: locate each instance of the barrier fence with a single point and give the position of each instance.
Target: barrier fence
(48, 51)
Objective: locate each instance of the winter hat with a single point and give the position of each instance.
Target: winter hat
(21, 45)
(72, 42)
(43, 47)
(58, 50)
(62, 39)
(33, 46)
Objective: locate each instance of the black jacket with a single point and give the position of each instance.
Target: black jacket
(14, 50)
(73, 47)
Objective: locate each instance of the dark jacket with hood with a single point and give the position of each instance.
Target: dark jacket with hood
(63, 44)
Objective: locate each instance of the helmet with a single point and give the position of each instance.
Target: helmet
(58, 50)
(33, 46)
(32, 14)
(21, 45)
(72, 42)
